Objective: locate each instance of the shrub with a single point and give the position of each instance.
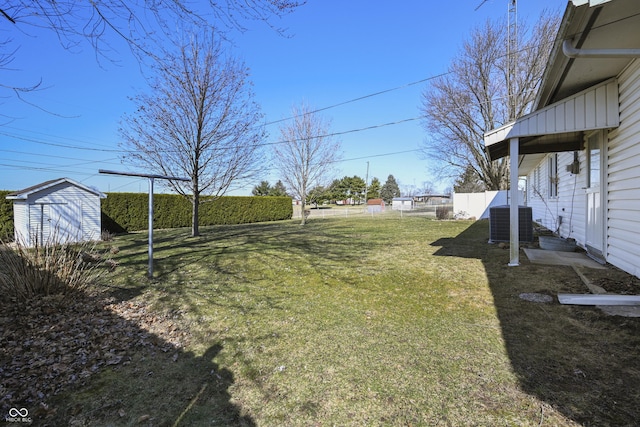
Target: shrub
(46, 269)
(123, 212)
(444, 212)
(6, 216)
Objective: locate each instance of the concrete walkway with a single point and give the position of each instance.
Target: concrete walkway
(578, 259)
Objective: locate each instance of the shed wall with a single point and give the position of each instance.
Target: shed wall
(21, 222)
(63, 212)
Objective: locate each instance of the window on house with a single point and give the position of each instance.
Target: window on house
(594, 146)
(553, 175)
(536, 181)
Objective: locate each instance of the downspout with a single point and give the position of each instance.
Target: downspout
(572, 52)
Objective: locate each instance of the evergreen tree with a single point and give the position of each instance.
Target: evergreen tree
(349, 187)
(390, 189)
(318, 195)
(279, 190)
(373, 192)
(469, 182)
(262, 189)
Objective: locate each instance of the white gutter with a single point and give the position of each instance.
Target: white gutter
(572, 52)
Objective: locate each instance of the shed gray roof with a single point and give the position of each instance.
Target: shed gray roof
(26, 192)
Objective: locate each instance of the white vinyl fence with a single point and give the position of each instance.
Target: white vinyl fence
(476, 205)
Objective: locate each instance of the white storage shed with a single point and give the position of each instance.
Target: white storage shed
(56, 211)
(402, 203)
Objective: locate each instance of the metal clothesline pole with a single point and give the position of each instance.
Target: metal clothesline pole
(150, 270)
(151, 177)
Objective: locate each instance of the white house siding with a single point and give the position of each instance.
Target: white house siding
(543, 208)
(572, 199)
(569, 202)
(623, 203)
(622, 189)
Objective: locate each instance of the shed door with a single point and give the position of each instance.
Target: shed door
(55, 223)
(595, 224)
(39, 224)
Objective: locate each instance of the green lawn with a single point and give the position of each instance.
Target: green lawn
(359, 321)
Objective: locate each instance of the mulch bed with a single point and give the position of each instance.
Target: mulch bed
(51, 343)
(615, 281)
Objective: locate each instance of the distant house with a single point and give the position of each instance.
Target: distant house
(433, 199)
(580, 146)
(375, 205)
(56, 211)
(402, 203)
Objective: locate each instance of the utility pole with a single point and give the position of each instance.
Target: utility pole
(512, 56)
(366, 184)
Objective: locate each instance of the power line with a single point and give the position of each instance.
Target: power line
(395, 153)
(57, 137)
(54, 144)
(123, 152)
(360, 98)
(44, 169)
(59, 157)
(327, 135)
(77, 165)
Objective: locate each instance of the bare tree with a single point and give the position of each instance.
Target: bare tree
(199, 121)
(139, 21)
(473, 98)
(144, 25)
(306, 154)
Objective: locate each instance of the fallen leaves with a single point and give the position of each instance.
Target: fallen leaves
(50, 343)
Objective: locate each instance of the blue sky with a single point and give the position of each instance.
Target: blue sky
(336, 51)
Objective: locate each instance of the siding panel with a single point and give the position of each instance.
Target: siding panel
(623, 202)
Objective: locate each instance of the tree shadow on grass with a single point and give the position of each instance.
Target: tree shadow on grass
(577, 359)
(83, 360)
(181, 260)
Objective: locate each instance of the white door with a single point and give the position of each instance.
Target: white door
(595, 224)
(39, 224)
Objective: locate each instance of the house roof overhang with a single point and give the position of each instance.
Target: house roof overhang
(559, 126)
(558, 122)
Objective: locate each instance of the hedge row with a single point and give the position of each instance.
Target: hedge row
(6, 216)
(123, 212)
